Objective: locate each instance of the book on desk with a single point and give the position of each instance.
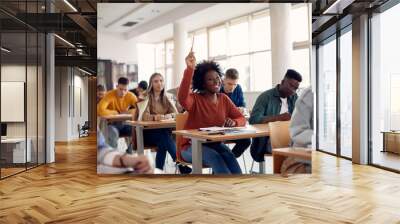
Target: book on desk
(226, 130)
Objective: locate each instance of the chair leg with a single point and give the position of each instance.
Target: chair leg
(244, 163)
(251, 168)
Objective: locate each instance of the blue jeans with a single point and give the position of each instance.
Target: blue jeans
(217, 156)
(162, 138)
(123, 129)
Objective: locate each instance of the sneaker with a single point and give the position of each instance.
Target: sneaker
(184, 169)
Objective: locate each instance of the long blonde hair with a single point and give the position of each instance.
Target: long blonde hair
(150, 93)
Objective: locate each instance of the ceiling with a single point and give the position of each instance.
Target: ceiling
(154, 21)
(73, 20)
(112, 16)
(333, 15)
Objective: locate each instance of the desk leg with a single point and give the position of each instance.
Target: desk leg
(139, 140)
(262, 167)
(197, 160)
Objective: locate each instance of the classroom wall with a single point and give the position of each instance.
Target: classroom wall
(71, 102)
(250, 99)
(114, 47)
(34, 125)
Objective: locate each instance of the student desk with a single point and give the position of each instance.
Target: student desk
(118, 117)
(199, 137)
(103, 121)
(391, 141)
(141, 125)
(13, 150)
(279, 155)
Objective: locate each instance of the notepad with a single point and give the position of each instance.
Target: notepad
(215, 128)
(226, 130)
(166, 120)
(239, 131)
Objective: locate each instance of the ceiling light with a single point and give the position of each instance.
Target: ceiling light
(338, 6)
(129, 24)
(5, 50)
(64, 40)
(86, 72)
(70, 5)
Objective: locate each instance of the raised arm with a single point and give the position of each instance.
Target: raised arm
(184, 97)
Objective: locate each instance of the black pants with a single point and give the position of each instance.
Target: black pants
(240, 146)
(259, 148)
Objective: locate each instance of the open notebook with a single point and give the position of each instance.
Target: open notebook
(227, 130)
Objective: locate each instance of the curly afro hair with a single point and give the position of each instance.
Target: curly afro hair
(200, 72)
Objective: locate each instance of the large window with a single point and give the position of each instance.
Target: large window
(218, 41)
(248, 49)
(300, 23)
(239, 33)
(385, 84)
(346, 93)
(244, 43)
(301, 63)
(22, 76)
(335, 108)
(327, 96)
(200, 44)
(164, 59)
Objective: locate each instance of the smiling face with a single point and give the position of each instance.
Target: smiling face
(212, 82)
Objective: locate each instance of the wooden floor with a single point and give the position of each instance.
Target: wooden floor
(70, 191)
(387, 159)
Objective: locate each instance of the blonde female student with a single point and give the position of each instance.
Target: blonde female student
(157, 106)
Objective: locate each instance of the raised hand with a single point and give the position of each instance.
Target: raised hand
(190, 60)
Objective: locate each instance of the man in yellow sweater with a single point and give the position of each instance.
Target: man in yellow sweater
(118, 101)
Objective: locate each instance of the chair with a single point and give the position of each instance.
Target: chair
(279, 137)
(181, 120)
(279, 134)
(83, 131)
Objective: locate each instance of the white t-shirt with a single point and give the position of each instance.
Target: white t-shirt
(284, 106)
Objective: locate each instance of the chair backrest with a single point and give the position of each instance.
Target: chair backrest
(279, 134)
(181, 120)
